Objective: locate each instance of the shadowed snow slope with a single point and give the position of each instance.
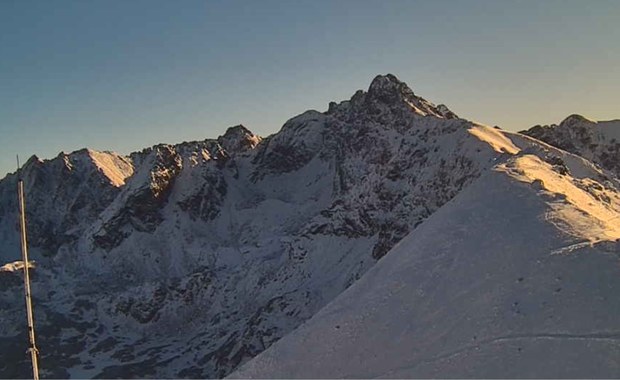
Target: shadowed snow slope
(487, 287)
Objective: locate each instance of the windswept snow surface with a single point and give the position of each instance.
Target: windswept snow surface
(578, 210)
(478, 289)
(494, 138)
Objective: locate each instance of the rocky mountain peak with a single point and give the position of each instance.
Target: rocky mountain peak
(238, 139)
(389, 89)
(446, 112)
(34, 159)
(571, 124)
(596, 141)
(388, 95)
(576, 119)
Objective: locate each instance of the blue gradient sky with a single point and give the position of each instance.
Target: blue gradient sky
(123, 75)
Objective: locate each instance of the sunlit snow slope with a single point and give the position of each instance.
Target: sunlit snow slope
(517, 276)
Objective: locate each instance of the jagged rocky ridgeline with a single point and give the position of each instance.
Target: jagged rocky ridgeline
(188, 260)
(598, 142)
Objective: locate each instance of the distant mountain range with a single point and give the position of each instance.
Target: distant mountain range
(386, 237)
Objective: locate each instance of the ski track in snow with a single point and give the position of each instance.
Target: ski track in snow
(613, 337)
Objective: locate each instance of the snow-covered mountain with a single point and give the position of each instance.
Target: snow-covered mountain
(516, 277)
(598, 142)
(188, 260)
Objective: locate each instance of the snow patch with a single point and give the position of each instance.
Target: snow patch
(16, 266)
(495, 138)
(576, 211)
(114, 166)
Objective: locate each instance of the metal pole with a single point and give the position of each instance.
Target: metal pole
(22, 218)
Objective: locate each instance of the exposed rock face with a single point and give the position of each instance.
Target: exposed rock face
(62, 194)
(205, 253)
(598, 142)
(141, 209)
(238, 139)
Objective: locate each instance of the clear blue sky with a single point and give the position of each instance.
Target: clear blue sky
(123, 75)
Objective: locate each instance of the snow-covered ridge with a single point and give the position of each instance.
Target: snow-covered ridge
(587, 203)
(494, 138)
(519, 270)
(585, 208)
(597, 141)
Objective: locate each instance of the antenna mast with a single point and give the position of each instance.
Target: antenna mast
(22, 219)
